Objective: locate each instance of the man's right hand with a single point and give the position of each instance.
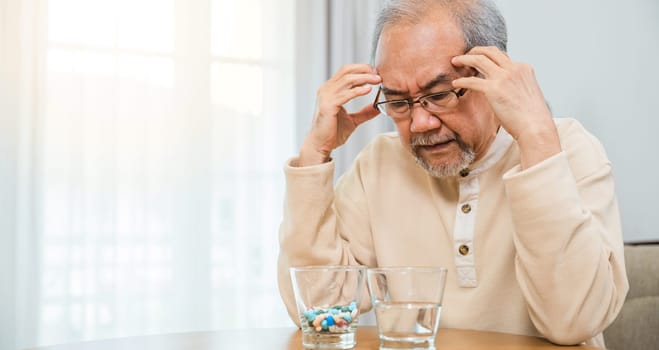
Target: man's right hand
(332, 124)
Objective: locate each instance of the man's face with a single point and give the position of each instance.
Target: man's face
(414, 60)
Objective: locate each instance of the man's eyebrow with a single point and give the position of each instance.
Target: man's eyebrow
(392, 92)
(441, 78)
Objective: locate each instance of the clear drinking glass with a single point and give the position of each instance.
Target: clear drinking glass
(408, 304)
(327, 300)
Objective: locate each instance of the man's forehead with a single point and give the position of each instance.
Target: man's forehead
(435, 28)
(405, 76)
(396, 87)
(420, 53)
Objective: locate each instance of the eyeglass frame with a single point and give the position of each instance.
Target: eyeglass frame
(410, 102)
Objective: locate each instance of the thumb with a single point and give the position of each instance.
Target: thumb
(367, 113)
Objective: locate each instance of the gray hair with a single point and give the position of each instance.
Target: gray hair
(480, 20)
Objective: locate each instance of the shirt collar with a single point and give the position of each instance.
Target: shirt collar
(497, 149)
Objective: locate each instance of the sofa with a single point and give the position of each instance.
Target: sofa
(637, 325)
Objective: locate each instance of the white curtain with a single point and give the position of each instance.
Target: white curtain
(333, 33)
(141, 182)
(351, 28)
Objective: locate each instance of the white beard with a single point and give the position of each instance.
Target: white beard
(447, 169)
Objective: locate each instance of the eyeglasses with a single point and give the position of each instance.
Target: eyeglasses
(402, 109)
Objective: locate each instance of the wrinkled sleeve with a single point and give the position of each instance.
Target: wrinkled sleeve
(569, 250)
(322, 225)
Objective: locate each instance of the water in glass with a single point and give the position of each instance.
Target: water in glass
(407, 325)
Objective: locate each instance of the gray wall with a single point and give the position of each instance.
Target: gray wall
(598, 61)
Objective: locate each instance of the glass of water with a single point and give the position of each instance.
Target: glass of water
(408, 304)
(327, 300)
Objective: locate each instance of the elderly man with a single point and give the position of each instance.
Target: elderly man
(479, 178)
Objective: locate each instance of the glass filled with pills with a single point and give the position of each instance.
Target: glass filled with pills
(327, 300)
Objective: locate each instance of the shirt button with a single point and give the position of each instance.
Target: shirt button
(464, 172)
(466, 208)
(463, 249)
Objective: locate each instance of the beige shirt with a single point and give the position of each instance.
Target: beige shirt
(543, 250)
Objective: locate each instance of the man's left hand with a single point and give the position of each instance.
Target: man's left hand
(516, 99)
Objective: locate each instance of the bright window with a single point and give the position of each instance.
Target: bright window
(161, 141)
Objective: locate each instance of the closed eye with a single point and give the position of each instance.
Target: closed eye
(398, 105)
(438, 97)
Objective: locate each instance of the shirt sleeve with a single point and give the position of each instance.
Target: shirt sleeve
(312, 231)
(569, 250)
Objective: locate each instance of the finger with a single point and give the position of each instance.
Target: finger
(353, 80)
(346, 95)
(367, 112)
(353, 68)
(481, 63)
(472, 83)
(492, 52)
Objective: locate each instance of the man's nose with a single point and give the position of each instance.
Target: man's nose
(422, 120)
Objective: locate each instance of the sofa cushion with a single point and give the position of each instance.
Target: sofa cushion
(642, 264)
(637, 325)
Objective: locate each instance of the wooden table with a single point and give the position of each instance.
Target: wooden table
(291, 339)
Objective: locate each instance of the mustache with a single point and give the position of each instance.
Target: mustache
(431, 139)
